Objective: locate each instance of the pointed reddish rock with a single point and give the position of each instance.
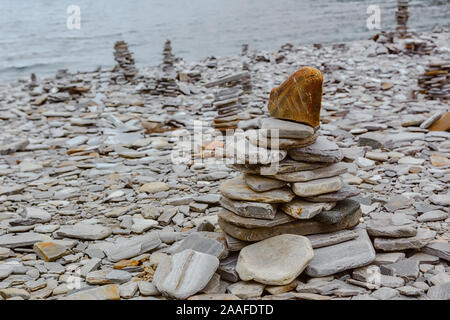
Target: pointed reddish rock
(299, 98)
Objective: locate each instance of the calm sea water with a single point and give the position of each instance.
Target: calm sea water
(34, 36)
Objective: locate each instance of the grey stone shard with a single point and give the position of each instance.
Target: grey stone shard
(421, 239)
(339, 213)
(84, 231)
(323, 150)
(250, 209)
(185, 273)
(201, 244)
(343, 256)
(19, 240)
(438, 249)
(333, 170)
(133, 247)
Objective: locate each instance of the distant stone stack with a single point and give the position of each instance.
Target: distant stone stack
(124, 60)
(304, 194)
(419, 46)
(231, 101)
(168, 57)
(228, 106)
(435, 82)
(402, 16)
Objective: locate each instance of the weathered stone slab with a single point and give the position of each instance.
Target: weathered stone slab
(84, 231)
(299, 227)
(50, 251)
(286, 129)
(109, 276)
(257, 210)
(275, 261)
(258, 138)
(285, 166)
(323, 150)
(301, 209)
(339, 213)
(441, 292)
(343, 256)
(421, 239)
(280, 218)
(19, 240)
(227, 268)
(316, 187)
(407, 269)
(201, 244)
(345, 192)
(260, 183)
(302, 176)
(329, 239)
(237, 189)
(299, 98)
(107, 292)
(185, 273)
(246, 289)
(394, 226)
(438, 249)
(133, 247)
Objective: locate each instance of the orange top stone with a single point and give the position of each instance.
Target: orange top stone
(443, 124)
(299, 98)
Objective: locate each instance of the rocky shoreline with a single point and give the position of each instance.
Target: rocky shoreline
(92, 205)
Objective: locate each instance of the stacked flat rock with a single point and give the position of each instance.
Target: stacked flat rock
(402, 18)
(125, 60)
(228, 104)
(291, 176)
(435, 81)
(168, 57)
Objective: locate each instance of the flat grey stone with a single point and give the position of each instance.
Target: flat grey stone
(434, 215)
(285, 166)
(106, 292)
(246, 289)
(280, 218)
(397, 202)
(441, 292)
(343, 256)
(5, 253)
(84, 231)
(19, 240)
(333, 170)
(261, 183)
(201, 244)
(388, 258)
(317, 187)
(133, 247)
(286, 129)
(148, 289)
(301, 209)
(323, 150)
(345, 192)
(299, 227)
(394, 226)
(128, 290)
(441, 199)
(237, 189)
(421, 239)
(339, 213)
(407, 269)
(438, 249)
(227, 268)
(185, 273)
(110, 276)
(275, 261)
(249, 209)
(384, 293)
(329, 239)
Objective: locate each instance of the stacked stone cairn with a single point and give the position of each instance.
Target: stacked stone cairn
(402, 16)
(228, 105)
(293, 200)
(125, 61)
(435, 82)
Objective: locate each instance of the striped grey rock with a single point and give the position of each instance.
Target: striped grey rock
(201, 244)
(421, 239)
(343, 256)
(249, 209)
(260, 183)
(323, 150)
(301, 209)
(308, 175)
(84, 231)
(133, 247)
(185, 273)
(440, 292)
(275, 261)
(237, 189)
(339, 212)
(406, 269)
(19, 240)
(108, 276)
(395, 226)
(345, 192)
(317, 187)
(227, 268)
(286, 129)
(328, 239)
(438, 249)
